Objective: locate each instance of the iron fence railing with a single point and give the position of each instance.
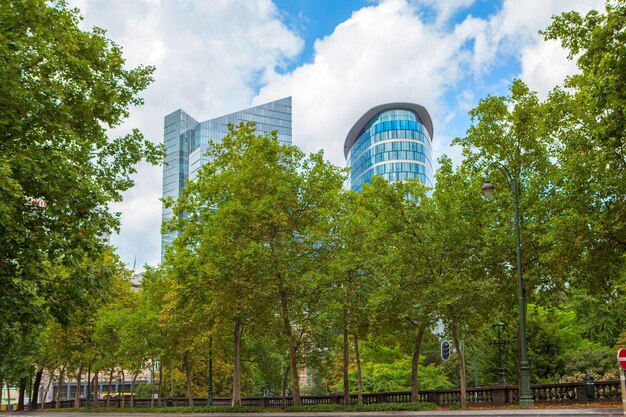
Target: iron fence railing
(579, 392)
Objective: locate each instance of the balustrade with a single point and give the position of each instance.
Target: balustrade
(495, 395)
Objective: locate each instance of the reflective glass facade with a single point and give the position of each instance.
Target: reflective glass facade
(186, 141)
(393, 141)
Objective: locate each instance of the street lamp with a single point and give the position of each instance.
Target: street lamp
(498, 329)
(526, 397)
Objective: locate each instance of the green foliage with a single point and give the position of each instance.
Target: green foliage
(396, 376)
(567, 157)
(387, 369)
(274, 262)
(553, 335)
(271, 205)
(144, 390)
(61, 89)
(322, 408)
(363, 407)
(601, 317)
(599, 362)
(591, 150)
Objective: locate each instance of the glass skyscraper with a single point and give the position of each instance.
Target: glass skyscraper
(391, 140)
(187, 140)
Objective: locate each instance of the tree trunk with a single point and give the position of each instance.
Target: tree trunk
(96, 390)
(79, 376)
(110, 386)
(47, 389)
(88, 387)
(35, 394)
(20, 397)
(415, 364)
(160, 382)
(171, 380)
(59, 385)
(209, 398)
(132, 390)
(151, 382)
(359, 379)
(461, 362)
(293, 362)
(285, 376)
(187, 367)
(121, 392)
(8, 392)
(30, 389)
(236, 400)
(346, 357)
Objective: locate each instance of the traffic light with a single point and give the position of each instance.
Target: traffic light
(445, 350)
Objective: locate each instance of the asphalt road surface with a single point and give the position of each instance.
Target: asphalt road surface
(596, 412)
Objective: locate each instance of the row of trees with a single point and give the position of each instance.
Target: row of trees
(277, 268)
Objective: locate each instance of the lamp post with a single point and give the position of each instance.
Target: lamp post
(498, 329)
(526, 397)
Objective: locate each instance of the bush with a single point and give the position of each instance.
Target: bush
(591, 361)
(363, 407)
(305, 408)
(143, 391)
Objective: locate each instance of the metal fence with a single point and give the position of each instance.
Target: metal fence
(578, 392)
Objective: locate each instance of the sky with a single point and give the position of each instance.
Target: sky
(336, 58)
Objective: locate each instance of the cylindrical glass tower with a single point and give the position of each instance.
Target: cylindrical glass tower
(391, 140)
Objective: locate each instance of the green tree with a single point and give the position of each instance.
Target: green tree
(107, 333)
(518, 132)
(61, 89)
(153, 292)
(456, 232)
(566, 155)
(400, 251)
(253, 229)
(352, 280)
(590, 150)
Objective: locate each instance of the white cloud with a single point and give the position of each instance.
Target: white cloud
(208, 55)
(545, 65)
(383, 53)
(389, 52)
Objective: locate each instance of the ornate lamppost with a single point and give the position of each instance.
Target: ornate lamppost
(526, 397)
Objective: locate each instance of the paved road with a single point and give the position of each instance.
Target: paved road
(595, 412)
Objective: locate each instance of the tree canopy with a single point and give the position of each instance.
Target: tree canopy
(61, 91)
(278, 274)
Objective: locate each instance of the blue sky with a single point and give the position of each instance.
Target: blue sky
(335, 58)
(314, 20)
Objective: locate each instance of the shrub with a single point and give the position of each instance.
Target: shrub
(305, 408)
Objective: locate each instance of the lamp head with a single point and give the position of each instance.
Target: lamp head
(488, 189)
(498, 328)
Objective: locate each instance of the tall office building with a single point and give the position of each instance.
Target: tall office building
(391, 140)
(187, 141)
